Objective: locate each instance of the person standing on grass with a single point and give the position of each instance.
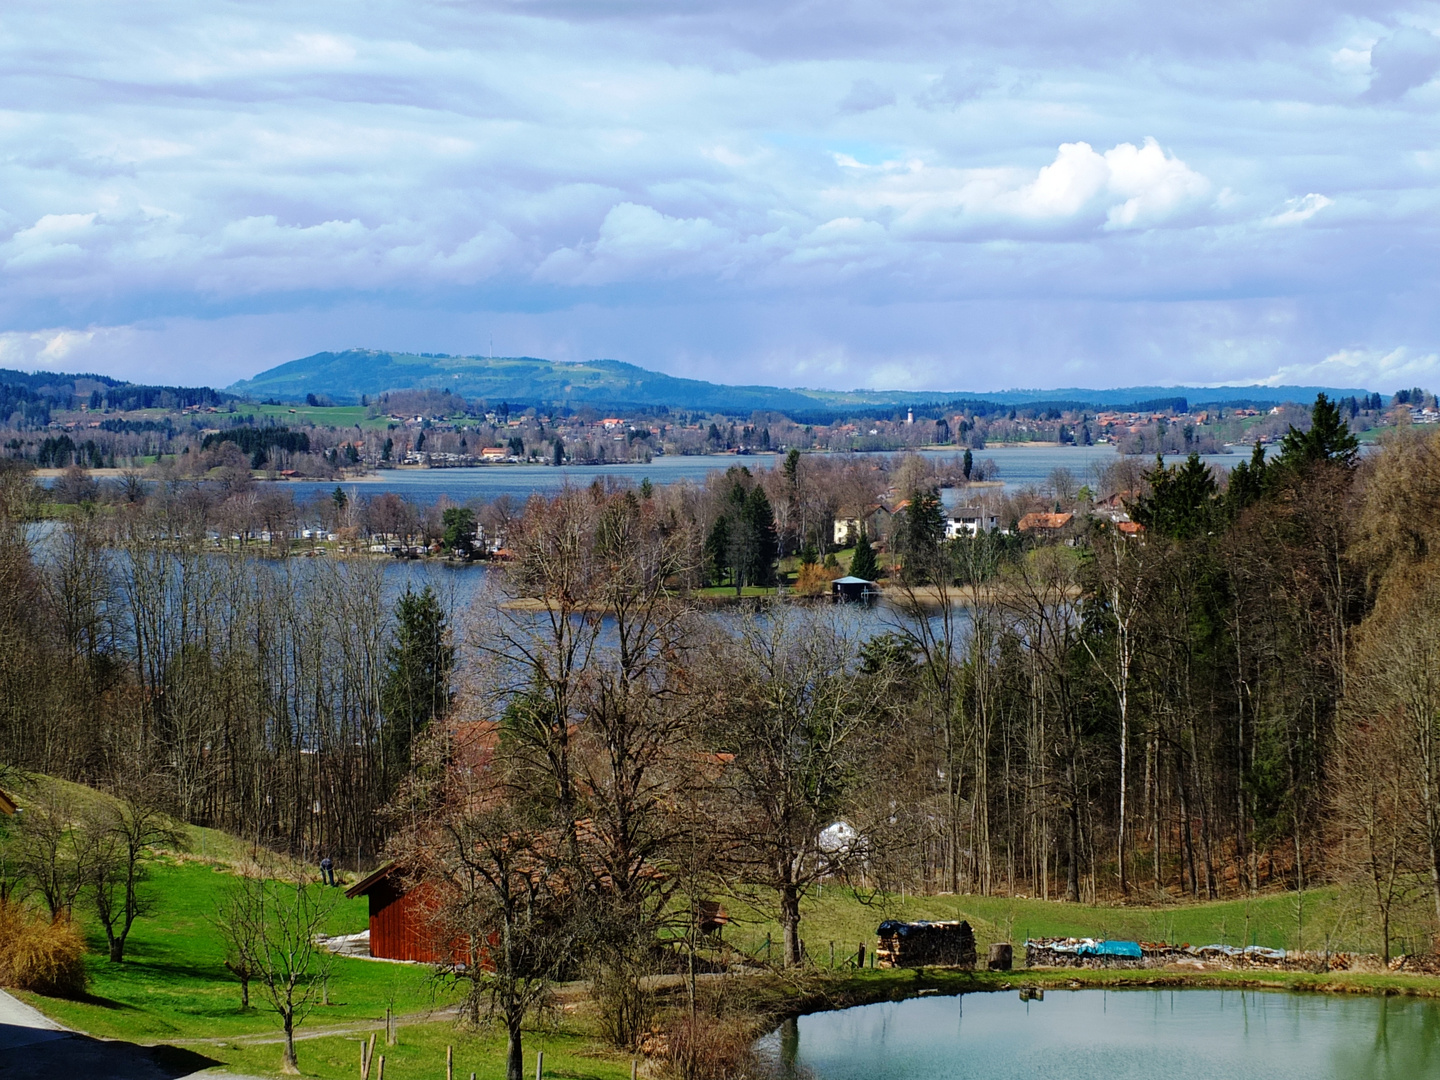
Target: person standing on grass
(327, 871)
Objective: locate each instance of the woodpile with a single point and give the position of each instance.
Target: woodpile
(1100, 954)
(925, 944)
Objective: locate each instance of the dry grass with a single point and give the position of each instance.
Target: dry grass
(39, 955)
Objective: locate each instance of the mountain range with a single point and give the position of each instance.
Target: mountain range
(613, 384)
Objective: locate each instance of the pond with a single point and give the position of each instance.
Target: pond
(1117, 1035)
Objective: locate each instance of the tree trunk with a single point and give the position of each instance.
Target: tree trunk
(514, 1050)
(1072, 872)
(790, 923)
(292, 1064)
(117, 949)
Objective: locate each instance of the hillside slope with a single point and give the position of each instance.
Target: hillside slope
(347, 375)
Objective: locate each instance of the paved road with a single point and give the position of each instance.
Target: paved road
(33, 1047)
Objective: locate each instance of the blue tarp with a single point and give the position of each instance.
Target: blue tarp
(1109, 948)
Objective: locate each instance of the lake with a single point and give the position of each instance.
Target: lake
(1117, 1035)
(1018, 467)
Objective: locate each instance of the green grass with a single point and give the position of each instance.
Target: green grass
(420, 1051)
(336, 416)
(1272, 920)
(172, 988)
(173, 985)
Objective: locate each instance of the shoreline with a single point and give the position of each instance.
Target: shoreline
(828, 993)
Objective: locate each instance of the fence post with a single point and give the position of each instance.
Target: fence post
(832, 955)
(449, 1063)
(539, 1065)
(380, 1075)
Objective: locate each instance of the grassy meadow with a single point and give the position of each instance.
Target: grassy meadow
(1326, 917)
(172, 988)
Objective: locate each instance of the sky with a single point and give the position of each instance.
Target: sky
(855, 193)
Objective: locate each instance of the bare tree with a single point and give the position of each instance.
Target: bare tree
(271, 926)
(1120, 587)
(51, 853)
(789, 708)
(117, 836)
(491, 865)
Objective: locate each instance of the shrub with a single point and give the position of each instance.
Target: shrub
(711, 1048)
(814, 579)
(39, 955)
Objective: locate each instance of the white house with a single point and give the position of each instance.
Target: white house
(969, 521)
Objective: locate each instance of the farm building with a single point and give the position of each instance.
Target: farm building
(399, 918)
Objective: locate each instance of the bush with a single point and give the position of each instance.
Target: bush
(814, 579)
(711, 1048)
(39, 955)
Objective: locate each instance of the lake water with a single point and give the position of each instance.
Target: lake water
(1118, 1035)
(1018, 467)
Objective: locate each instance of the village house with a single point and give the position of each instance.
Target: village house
(876, 522)
(1053, 525)
(969, 521)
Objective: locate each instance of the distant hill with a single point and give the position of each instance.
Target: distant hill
(613, 384)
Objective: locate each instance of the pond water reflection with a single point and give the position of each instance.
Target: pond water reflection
(1118, 1035)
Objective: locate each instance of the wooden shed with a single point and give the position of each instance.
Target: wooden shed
(400, 918)
(7, 804)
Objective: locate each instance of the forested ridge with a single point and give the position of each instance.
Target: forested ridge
(1240, 696)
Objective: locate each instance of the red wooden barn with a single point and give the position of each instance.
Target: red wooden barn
(400, 919)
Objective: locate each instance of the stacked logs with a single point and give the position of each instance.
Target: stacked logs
(925, 944)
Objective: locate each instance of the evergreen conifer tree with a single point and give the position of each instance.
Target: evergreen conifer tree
(863, 564)
(419, 660)
(1329, 439)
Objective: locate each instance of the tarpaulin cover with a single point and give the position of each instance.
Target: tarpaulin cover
(1109, 948)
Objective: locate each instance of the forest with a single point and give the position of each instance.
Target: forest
(1240, 695)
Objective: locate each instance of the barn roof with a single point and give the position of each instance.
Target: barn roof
(7, 804)
(365, 884)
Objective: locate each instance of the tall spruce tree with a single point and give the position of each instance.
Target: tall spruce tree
(921, 534)
(419, 661)
(862, 563)
(1329, 439)
(756, 541)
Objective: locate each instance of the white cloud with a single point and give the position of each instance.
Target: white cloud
(43, 348)
(1373, 369)
(1126, 187)
(1301, 209)
(636, 240)
(1153, 184)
